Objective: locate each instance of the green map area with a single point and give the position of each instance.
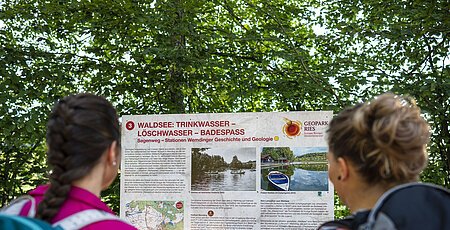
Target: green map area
(155, 214)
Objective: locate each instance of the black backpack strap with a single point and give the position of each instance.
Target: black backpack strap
(16, 205)
(344, 224)
(347, 223)
(391, 206)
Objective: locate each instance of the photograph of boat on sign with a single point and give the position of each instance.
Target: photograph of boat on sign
(223, 169)
(278, 180)
(294, 169)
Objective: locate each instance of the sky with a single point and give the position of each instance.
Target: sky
(243, 154)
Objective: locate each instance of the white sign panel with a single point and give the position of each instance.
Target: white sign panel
(226, 171)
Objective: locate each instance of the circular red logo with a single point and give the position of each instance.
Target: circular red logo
(129, 125)
(179, 204)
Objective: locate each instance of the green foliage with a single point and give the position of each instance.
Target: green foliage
(235, 163)
(400, 47)
(340, 210)
(313, 166)
(203, 163)
(313, 157)
(278, 153)
(171, 56)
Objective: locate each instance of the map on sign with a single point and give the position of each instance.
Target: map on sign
(159, 215)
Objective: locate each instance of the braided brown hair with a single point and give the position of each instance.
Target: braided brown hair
(80, 128)
(385, 139)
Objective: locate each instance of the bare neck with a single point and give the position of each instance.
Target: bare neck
(93, 181)
(364, 197)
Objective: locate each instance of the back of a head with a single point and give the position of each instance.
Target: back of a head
(385, 139)
(80, 128)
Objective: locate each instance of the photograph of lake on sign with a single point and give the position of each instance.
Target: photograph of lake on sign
(294, 169)
(223, 169)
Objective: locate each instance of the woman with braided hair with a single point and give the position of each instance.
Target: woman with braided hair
(83, 140)
(376, 152)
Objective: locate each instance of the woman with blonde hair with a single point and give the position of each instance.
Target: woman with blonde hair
(376, 152)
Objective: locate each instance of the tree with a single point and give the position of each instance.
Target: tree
(279, 152)
(235, 163)
(172, 56)
(372, 46)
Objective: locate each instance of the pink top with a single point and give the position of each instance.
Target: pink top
(78, 200)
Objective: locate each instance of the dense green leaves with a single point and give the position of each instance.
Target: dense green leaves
(401, 46)
(173, 56)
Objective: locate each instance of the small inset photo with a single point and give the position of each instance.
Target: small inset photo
(294, 169)
(223, 169)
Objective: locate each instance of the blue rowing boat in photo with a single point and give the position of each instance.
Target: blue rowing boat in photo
(278, 180)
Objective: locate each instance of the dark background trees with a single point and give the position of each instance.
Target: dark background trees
(279, 153)
(173, 56)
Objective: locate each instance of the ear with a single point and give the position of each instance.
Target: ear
(111, 157)
(344, 170)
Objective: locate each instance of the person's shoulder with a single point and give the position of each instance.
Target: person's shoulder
(39, 190)
(334, 225)
(110, 225)
(419, 195)
(416, 206)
